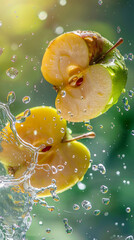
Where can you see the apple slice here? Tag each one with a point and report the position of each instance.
(86, 88)
(61, 157)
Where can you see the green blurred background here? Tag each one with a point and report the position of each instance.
(26, 27)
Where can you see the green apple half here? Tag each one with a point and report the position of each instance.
(87, 80)
(61, 158)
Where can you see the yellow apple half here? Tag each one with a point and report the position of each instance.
(66, 162)
(87, 83)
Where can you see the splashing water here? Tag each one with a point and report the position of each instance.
(15, 206)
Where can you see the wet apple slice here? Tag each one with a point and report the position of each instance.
(88, 96)
(86, 87)
(66, 54)
(60, 157)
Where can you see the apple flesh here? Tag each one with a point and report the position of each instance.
(86, 87)
(66, 162)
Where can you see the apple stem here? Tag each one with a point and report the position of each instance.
(85, 135)
(119, 42)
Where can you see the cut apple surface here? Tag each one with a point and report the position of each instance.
(66, 162)
(88, 80)
(89, 98)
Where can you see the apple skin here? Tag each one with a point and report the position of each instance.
(113, 63)
(71, 159)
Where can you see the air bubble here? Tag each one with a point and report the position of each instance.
(13, 58)
(104, 189)
(12, 72)
(11, 97)
(59, 30)
(26, 99)
(0, 23)
(76, 207)
(86, 204)
(105, 201)
(42, 15)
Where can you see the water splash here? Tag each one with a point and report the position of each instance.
(15, 205)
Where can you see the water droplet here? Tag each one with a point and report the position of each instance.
(106, 201)
(76, 170)
(132, 132)
(35, 132)
(130, 56)
(65, 220)
(63, 93)
(1, 51)
(20, 119)
(58, 111)
(13, 58)
(127, 107)
(50, 141)
(48, 230)
(129, 238)
(101, 168)
(62, 130)
(12, 72)
(26, 99)
(118, 173)
(69, 230)
(40, 222)
(97, 212)
(125, 57)
(27, 113)
(54, 169)
(11, 97)
(118, 29)
(128, 209)
(55, 197)
(76, 207)
(89, 127)
(100, 2)
(94, 167)
(104, 189)
(50, 208)
(86, 204)
(131, 93)
(59, 30)
(63, 2)
(81, 186)
(42, 15)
